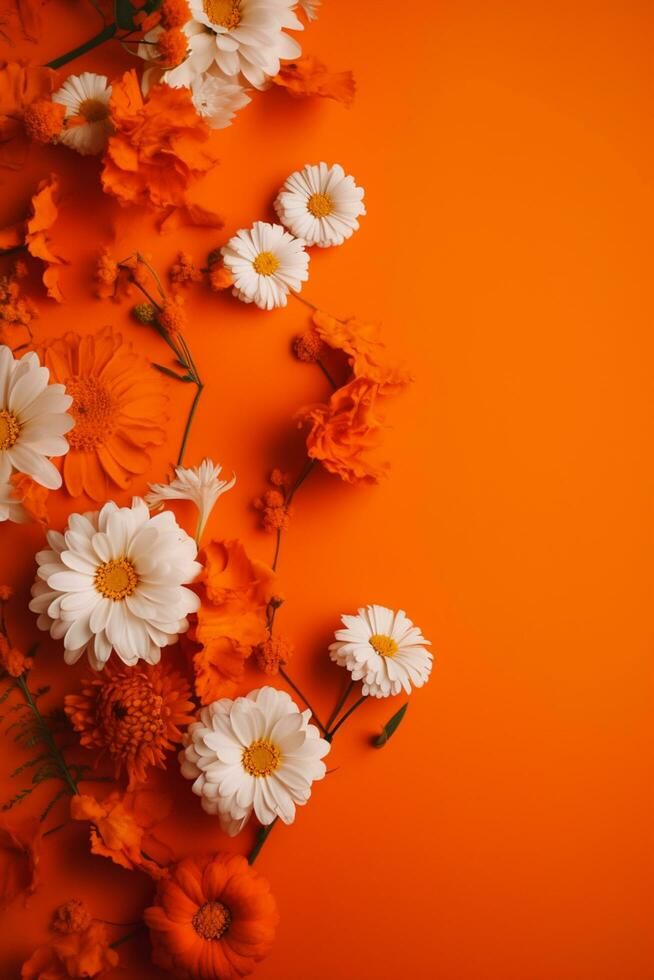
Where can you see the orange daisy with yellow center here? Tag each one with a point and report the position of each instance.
(136, 715)
(118, 405)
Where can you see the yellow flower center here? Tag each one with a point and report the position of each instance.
(94, 412)
(385, 646)
(9, 429)
(94, 110)
(261, 758)
(212, 920)
(319, 205)
(266, 263)
(116, 579)
(223, 13)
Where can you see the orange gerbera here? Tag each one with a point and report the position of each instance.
(134, 713)
(368, 356)
(20, 86)
(80, 948)
(344, 434)
(213, 918)
(160, 147)
(123, 825)
(118, 405)
(308, 76)
(20, 844)
(232, 619)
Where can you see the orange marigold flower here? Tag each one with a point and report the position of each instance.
(308, 347)
(20, 86)
(33, 497)
(172, 46)
(232, 619)
(160, 147)
(106, 275)
(308, 76)
(279, 479)
(39, 238)
(274, 512)
(220, 277)
(12, 660)
(172, 318)
(136, 714)
(368, 357)
(345, 433)
(122, 827)
(72, 916)
(20, 845)
(174, 13)
(273, 653)
(184, 270)
(119, 403)
(214, 918)
(146, 22)
(80, 952)
(44, 120)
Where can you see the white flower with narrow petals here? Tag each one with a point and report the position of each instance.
(201, 484)
(242, 37)
(86, 98)
(266, 263)
(320, 205)
(383, 649)
(258, 754)
(310, 8)
(33, 419)
(115, 580)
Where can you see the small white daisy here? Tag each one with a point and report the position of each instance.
(86, 98)
(266, 263)
(217, 98)
(201, 484)
(241, 37)
(33, 419)
(383, 649)
(115, 579)
(310, 8)
(320, 204)
(254, 754)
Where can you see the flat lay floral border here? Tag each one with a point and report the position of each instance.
(126, 587)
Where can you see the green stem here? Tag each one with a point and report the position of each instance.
(262, 837)
(124, 939)
(330, 735)
(105, 34)
(299, 693)
(308, 467)
(341, 702)
(47, 736)
(189, 421)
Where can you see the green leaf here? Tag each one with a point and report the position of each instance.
(125, 14)
(390, 727)
(28, 765)
(18, 798)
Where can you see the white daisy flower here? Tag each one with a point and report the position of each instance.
(241, 37)
(383, 649)
(33, 419)
(266, 263)
(201, 484)
(255, 754)
(115, 580)
(320, 205)
(86, 98)
(310, 8)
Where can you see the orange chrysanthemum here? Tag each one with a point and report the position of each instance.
(118, 405)
(44, 121)
(368, 356)
(308, 76)
(122, 827)
(174, 13)
(80, 948)
(214, 918)
(39, 237)
(232, 619)
(20, 845)
(172, 47)
(136, 714)
(160, 147)
(344, 434)
(20, 86)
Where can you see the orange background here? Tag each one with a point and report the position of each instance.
(506, 153)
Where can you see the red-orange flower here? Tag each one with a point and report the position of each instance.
(20, 844)
(44, 120)
(220, 277)
(12, 659)
(308, 76)
(172, 47)
(160, 146)
(213, 919)
(345, 434)
(39, 238)
(122, 827)
(368, 356)
(232, 618)
(20, 86)
(136, 714)
(119, 403)
(80, 948)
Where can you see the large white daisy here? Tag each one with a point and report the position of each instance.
(383, 649)
(320, 204)
(115, 579)
(255, 754)
(310, 8)
(201, 484)
(266, 263)
(86, 98)
(242, 37)
(33, 419)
